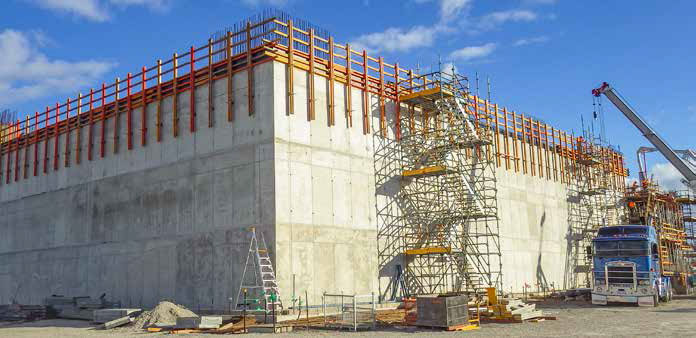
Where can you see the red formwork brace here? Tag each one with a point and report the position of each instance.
(7, 162)
(102, 141)
(117, 113)
(16, 141)
(192, 89)
(55, 138)
(143, 101)
(158, 113)
(78, 134)
(45, 153)
(175, 98)
(90, 130)
(129, 113)
(25, 167)
(36, 143)
(67, 134)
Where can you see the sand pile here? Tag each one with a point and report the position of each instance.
(165, 313)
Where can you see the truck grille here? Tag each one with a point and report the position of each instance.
(620, 274)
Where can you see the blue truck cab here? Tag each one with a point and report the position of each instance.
(626, 267)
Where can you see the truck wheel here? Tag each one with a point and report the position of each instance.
(656, 300)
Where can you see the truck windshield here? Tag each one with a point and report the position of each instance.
(621, 248)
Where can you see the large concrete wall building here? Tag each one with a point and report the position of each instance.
(162, 211)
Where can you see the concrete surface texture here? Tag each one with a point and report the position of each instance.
(165, 221)
(169, 220)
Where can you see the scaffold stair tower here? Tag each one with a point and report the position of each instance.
(448, 204)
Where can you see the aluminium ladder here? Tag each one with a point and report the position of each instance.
(258, 289)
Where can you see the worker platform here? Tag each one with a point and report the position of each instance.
(426, 97)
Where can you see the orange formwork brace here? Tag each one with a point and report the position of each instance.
(332, 120)
(382, 109)
(290, 81)
(211, 105)
(366, 97)
(349, 86)
(310, 84)
(250, 70)
(230, 92)
(397, 104)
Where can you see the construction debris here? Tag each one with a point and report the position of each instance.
(118, 322)
(77, 307)
(18, 312)
(107, 315)
(512, 310)
(195, 322)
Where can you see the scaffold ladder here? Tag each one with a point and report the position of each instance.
(258, 289)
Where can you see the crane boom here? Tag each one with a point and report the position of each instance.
(657, 141)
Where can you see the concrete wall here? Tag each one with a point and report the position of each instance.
(165, 221)
(169, 220)
(325, 215)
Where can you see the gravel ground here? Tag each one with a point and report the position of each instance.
(676, 319)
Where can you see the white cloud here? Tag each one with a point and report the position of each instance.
(449, 68)
(26, 73)
(496, 19)
(451, 9)
(97, 10)
(89, 9)
(532, 40)
(152, 4)
(667, 176)
(259, 3)
(473, 52)
(396, 39)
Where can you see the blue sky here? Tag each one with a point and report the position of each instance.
(543, 56)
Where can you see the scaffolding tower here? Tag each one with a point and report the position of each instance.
(436, 179)
(592, 203)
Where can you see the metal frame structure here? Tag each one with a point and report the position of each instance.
(443, 215)
(593, 202)
(648, 204)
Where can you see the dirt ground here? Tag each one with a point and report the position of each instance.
(676, 319)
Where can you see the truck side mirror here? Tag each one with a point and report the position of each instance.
(654, 249)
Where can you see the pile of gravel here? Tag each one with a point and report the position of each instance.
(164, 314)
